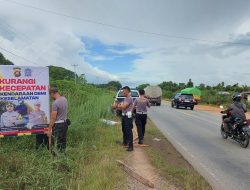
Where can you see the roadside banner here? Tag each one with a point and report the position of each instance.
(24, 100)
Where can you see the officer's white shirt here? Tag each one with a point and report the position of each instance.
(10, 119)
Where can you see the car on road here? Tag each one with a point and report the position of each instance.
(120, 97)
(183, 100)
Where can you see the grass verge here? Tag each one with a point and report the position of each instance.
(90, 161)
(170, 163)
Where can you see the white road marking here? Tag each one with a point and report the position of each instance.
(183, 147)
(195, 116)
(198, 118)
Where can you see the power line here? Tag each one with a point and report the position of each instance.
(13, 30)
(121, 27)
(24, 37)
(28, 60)
(21, 57)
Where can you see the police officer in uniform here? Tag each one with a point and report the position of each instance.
(22, 109)
(10, 118)
(127, 120)
(38, 117)
(141, 105)
(58, 126)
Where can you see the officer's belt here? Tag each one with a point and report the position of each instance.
(60, 121)
(145, 113)
(124, 114)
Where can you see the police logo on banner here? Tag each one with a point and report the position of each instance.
(17, 71)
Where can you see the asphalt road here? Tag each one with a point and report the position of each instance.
(196, 135)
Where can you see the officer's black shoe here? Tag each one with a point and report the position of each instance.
(130, 149)
(140, 142)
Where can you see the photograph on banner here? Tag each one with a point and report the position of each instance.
(24, 100)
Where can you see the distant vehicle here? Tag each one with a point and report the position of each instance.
(183, 100)
(154, 94)
(120, 98)
(195, 91)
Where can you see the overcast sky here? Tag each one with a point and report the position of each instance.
(106, 53)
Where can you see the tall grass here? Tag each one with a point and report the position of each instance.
(91, 152)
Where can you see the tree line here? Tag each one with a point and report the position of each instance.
(4, 61)
(210, 94)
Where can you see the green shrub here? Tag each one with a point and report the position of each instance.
(22, 167)
(168, 94)
(212, 97)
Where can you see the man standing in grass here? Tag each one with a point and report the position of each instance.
(141, 105)
(58, 126)
(127, 120)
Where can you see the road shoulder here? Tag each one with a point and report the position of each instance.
(170, 163)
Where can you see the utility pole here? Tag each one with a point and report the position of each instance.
(75, 65)
(83, 78)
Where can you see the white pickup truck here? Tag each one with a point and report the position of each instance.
(120, 97)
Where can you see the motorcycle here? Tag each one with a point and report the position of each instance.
(239, 132)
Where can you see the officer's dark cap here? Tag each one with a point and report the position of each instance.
(53, 90)
(126, 88)
(17, 68)
(141, 92)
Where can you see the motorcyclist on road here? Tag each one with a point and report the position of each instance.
(237, 110)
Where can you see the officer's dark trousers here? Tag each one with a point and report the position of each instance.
(140, 121)
(59, 136)
(42, 141)
(127, 125)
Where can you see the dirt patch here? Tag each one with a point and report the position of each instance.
(162, 164)
(213, 109)
(208, 108)
(140, 162)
